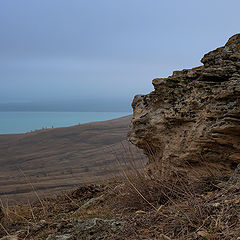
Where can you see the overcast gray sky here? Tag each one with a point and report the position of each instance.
(67, 50)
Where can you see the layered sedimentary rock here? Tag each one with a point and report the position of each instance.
(194, 115)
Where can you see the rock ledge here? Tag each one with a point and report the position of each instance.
(193, 116)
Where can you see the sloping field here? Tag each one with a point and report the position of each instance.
(56, 159)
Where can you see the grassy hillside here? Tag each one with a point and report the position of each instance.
(56, 159)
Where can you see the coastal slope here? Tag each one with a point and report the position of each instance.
(57, 159)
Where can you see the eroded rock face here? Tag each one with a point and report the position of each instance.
(193, 115)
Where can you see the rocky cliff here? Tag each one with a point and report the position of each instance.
(194, 115)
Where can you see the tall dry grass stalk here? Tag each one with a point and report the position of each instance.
(145, 189)
(34, 190)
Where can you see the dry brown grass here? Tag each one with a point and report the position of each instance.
(199, 203)
(38, 220)
(196, 204)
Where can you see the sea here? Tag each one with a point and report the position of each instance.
(22, 122)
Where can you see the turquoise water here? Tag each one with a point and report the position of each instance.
(21, 122)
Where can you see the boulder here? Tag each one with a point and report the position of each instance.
(193, 116)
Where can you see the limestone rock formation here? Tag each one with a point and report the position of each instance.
(194, 115)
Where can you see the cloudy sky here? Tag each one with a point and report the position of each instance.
(104, 50)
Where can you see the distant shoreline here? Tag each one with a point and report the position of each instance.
(17, 122)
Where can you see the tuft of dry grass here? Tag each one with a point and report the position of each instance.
(170, 203)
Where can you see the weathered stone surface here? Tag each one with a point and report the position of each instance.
(60, 237)
(193, 115)
(10, 237)
(90, 203)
